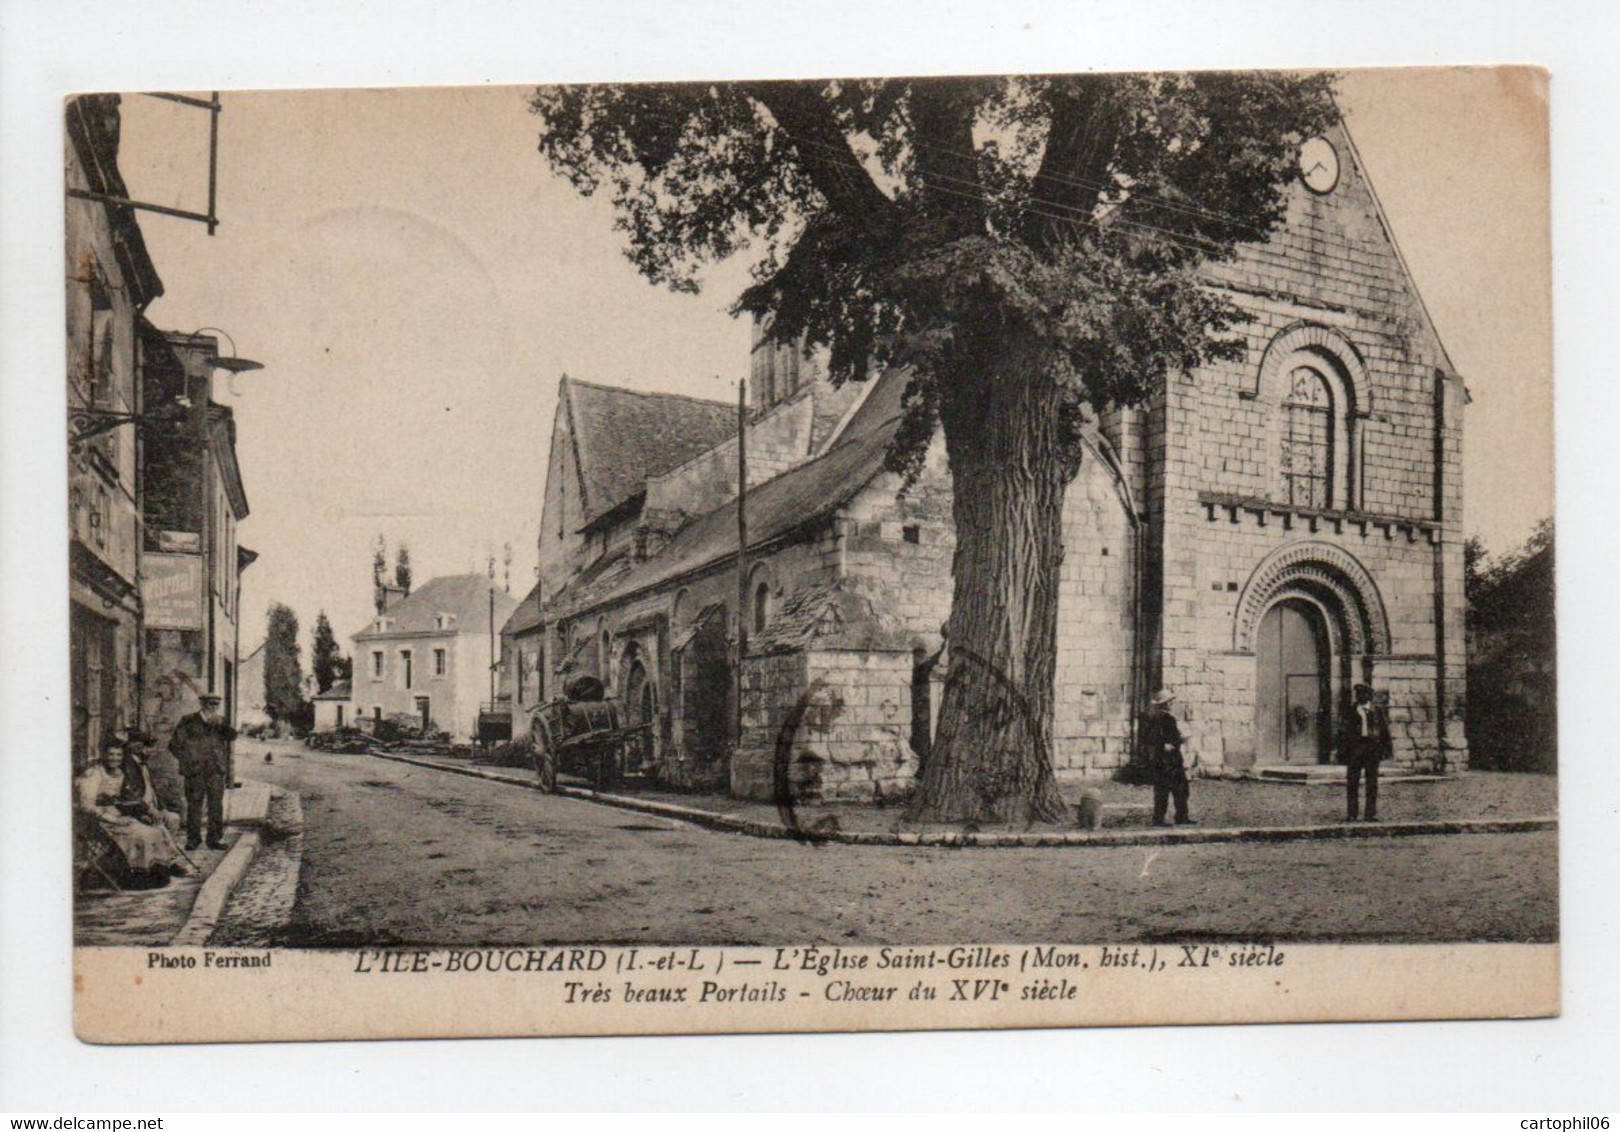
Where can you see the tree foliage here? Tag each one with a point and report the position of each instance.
(283, 673)
(402, 568)
(325, 658)
(917, 221)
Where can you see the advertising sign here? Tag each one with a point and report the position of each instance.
(171, 587)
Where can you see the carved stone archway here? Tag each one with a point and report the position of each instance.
(1328, 571)
(1325, 342)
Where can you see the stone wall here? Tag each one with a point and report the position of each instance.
(1330, 284)
(839, 720)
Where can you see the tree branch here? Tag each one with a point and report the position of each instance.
(1087, 120)
(942, 114)
(807, 120)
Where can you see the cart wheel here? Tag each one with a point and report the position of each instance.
(545, 759)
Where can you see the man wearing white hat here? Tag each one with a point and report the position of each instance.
(1161, 740)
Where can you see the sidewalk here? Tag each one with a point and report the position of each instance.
(157, 917)
(1226, 810)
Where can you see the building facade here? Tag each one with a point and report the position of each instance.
(110, 281)
(155, 492)
(193, 502)
(334, 708)
(426, 658)
(1258, 535)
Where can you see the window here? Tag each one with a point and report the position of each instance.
(376, 664)
(407, 666)
(607, 645)
(376, 714)
(1307, 440)
(521, 674)
(100, 357)
(762, 606)
(441, 662)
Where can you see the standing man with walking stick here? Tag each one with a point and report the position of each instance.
(202, 746)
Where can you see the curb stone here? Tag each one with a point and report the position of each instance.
(262, 903)
(249, 807)
(708, 819)
(216, 890)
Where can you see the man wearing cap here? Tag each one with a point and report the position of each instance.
(202, 746)
(1365, 742)
(1161, 740)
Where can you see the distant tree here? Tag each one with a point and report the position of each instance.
(1512, 658)
(283, 674)
(1475, 559)
(324, 656)
(1028, 248)
(402, 568)
(379, 571)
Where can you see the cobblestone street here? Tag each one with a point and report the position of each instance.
(395, 854)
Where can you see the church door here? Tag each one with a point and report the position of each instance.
(1291, 685)
(641, 712)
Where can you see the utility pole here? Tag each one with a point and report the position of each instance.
(491, 632)
(742, 546)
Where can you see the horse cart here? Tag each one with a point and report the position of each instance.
(584, 734)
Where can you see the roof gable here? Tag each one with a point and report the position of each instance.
(621, 437)
(801, 495)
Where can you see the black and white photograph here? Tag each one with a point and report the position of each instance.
(847, 553)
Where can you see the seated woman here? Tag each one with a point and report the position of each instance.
(145, 849)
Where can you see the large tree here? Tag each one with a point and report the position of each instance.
(325, 658)
(283, 673)
(1027, 248)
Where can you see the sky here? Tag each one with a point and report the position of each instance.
(416, 281)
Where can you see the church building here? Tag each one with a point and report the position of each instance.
(1258, 535)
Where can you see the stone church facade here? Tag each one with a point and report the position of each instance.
(1258, 536)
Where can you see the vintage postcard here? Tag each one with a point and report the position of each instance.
(864, 553)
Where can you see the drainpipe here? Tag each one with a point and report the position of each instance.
(1439, 544)
(1111, 461)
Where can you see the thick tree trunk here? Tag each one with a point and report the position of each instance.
(992, 755)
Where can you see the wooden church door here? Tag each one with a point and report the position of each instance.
(1291, 685)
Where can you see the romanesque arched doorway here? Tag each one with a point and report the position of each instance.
(1293, 685)
(1312, 619)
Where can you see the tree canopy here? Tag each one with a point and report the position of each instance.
(905, 221)
(325, 658)
(283, 673)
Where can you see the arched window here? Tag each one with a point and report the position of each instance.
(762, 606)
(1307, 439)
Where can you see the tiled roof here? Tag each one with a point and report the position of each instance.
(340, 690)
(624, 436)
(465, 597)
(529, 614)
(792, 499)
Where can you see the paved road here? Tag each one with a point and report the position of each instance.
(395, 854)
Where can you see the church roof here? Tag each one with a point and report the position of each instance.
(776, 507)
(622, 436)
(464, 597)
(528, 614)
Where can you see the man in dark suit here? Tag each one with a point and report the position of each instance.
(1161, 740)
(202, 746)
(1365, 742)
